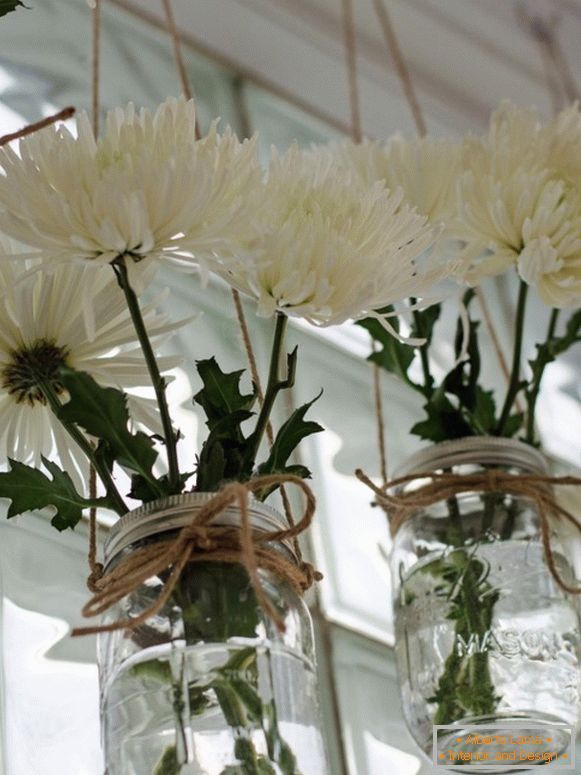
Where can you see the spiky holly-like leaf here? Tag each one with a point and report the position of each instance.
(290, 435)
(30, 489)
(103, 413)
(7, 6)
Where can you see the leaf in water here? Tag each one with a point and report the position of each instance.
(168, 764)
(30, 489)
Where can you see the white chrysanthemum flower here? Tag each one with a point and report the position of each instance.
(563, 138)
(330, 248)
(146, 189)
(518, 206)
(42, 328)
(425, 168)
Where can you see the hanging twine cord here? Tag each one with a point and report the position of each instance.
(178, 57)
(401, 506)
(349, 39)
(240, 315)
(401, 66)
(350, 45)
(96, 66)
(62, 115)
(380, 421)
(202, 541)
(95, 568)
(409, 90)
(561, 83)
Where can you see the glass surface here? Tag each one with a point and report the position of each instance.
(210, 685)
(484, 634)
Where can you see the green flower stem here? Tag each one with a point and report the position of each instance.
(490, 501)
(533, 392)
(424, 357)
(465, 685)
(273, 386)
(234, 685)
(515, 384)
(115, 499)
(157, 380)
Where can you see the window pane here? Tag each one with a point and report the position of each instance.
(49, 680)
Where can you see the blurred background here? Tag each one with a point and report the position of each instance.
(276, 67)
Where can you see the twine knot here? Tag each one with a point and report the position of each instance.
(311, 575)
(400, 505)
(198, 536)
(203, 541)
(95, 576)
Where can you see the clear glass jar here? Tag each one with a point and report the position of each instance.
(484, 635)
(210, 685)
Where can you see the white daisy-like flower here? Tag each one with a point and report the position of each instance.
(563, 138)
(145, 189)
(41, 329)
(330, 248)
(425, 168)
(519, 206)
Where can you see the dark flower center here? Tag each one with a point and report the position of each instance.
(24, 374)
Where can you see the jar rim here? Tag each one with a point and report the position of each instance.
(473, 450)
(167, 514)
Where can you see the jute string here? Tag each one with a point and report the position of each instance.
(349, 39)
(559, 77)
(409, 90)
(96, 66)
(402, 506)
(202, 541)
(126, 573)
(95, 567)
(62, 115)
(350, 45)
(240, 315)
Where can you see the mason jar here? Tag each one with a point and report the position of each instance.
(209, 685)
(486, 641)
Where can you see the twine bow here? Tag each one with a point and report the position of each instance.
(201, 541)
(539, 488)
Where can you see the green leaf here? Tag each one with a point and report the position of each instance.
(394, 356)
(291, 433)
(513, 424)
(142, 489)
(168, 764)
(550, 350)
(102, 412)
(425, 321)
(7, 6)
(443, 420)
(482, 417)
(29, 489)
(460, 406)
(223, 453)
(221, 396)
